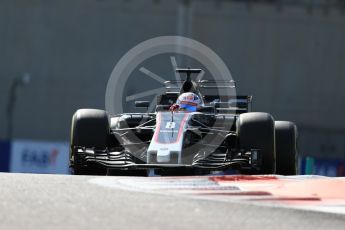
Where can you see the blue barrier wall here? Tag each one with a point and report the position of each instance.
(39, 157)
(322, 166)
(5, 148)
(25, 156)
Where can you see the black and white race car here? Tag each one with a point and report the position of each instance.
(222, 134)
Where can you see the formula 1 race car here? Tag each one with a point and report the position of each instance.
(221, 135)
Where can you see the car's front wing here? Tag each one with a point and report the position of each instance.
(123, 160)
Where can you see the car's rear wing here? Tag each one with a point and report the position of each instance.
(229, 104)
(215, 93)
(202, 84)
(221, 104)
(216, 84)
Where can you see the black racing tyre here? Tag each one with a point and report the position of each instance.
(256, 131)
(286, 147)
(90, 128)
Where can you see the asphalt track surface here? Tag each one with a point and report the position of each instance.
(29, 201)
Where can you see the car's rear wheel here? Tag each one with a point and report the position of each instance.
(256, 131)
(286, 147)
(90, 129)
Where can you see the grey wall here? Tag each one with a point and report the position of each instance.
(291, 60)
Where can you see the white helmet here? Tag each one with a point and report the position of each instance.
(189, 101)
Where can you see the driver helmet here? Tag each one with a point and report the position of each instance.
(188, 102)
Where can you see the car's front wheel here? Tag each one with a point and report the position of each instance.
(89, 129)
(256, 131)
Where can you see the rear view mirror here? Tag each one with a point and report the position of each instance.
(142, 104)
